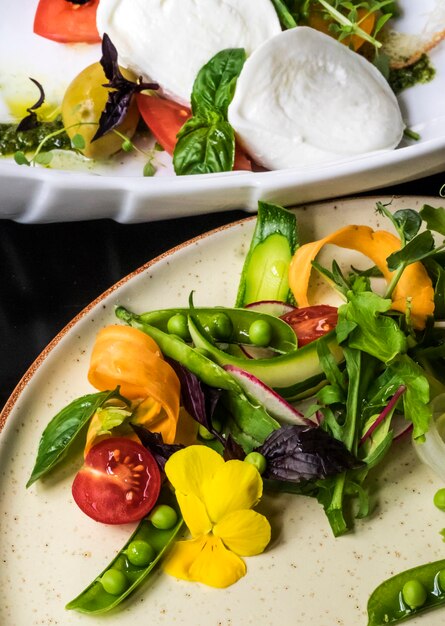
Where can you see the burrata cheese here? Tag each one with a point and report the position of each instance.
(168, 41)
(303, 98)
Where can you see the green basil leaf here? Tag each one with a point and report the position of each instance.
(434, 218)
(204, 148)
(63, 429)
(417, 249)
(215, 83)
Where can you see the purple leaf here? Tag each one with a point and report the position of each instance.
(300, 453)
(30, 121)
(233, 450)
(155, 444)
(121, 90)
(198, 399)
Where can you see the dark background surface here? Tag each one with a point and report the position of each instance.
(50, 272)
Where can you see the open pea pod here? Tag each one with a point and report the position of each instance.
(388, 605)
(230, 325)
(95, 599)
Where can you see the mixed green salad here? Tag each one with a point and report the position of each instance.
(198, 411)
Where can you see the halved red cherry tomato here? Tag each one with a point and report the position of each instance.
(67, 22)
(312, 322)
(119, 482)
(165, 118)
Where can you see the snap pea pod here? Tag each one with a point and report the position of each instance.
(95, 599)
(231, 325)
(389, 602)
(173, 347)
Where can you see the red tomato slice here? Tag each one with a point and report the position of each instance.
(165, 118)
(66, 22)
(312, 322)
(119, 482)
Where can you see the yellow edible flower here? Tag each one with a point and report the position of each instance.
(216, 498)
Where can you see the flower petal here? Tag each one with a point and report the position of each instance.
(245, 532)
(190, 468)
(237, 485)
(194, 513)
(205, 560)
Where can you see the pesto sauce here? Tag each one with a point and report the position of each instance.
(419, 72)
(28, 140)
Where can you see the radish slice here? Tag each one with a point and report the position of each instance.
(256, 352)
(274, 404)
(272, 307)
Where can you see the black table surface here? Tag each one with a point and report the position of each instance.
(50, 272)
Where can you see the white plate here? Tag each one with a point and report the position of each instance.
(50, 551)
(42, 195)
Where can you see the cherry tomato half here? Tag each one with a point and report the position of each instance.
(119, 482)
(165, 118)
(67, 22)
(312, 322)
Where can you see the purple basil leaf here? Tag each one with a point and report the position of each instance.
(299, 453)
(154, 444)
(198, 399)
(121, 90)
(114, 113)
(30, 121)
(233, 450)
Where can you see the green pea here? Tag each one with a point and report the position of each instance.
(260, 333)
(414, 593)
(204, 433)
(140, 553)
(177, 325)
(258, 460)
(439, 499)
(114, 581)
(221, 326)
(163, 517)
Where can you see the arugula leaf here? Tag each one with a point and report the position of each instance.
(206, 142)
(361, 323)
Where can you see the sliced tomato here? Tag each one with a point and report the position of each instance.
(165, 118)
(67, 22)
(119, 482)
(312, 322)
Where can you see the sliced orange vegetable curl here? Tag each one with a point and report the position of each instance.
(125, 356)
(414, 290)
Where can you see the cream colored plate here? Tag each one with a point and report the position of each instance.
(50, 551)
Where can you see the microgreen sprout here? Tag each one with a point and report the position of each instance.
(348, 22)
